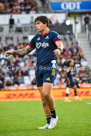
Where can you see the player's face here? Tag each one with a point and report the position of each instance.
(40, 26)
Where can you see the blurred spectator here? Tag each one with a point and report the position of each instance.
(8, 83)
(89, 78)
(57, 22)
(34, 7)
(1, 49)
(6, 47)
(32, 24)
(11, 44)
(32, 20)
(2, 8)
(18, 26)
(20, 77)
(22, 7)
(1, 86)
(7, 8)
(16, 80)
(67, 53)
(1, 77)
(64, 22)
(87, 19)
(87, 70)
(28, 8)
(33, 81)
(43, 2)
(83, 62)
(5, 69)
(25, 71)
(32, 74)
(11, 24)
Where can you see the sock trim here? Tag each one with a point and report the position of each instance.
(48, 116)
(52, 110)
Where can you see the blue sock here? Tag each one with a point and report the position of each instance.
(48, 118)
(53, 113)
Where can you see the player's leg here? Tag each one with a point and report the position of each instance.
(45, 106)
(67, 94)
(46, 110)
(46, 94)
(75, 93)
(48, 80)
(39, 81)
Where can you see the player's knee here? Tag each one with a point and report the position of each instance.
(45, 95)
(43, 100)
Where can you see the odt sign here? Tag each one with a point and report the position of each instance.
(76, 6)
(70, 5)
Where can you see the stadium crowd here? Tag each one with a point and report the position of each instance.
(21, 70)
(18, 6)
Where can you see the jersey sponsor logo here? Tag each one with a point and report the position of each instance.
(38, 38)
(47, 37)
(53, 72)
(44, 45)
(48, 79)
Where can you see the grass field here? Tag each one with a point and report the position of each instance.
(23, 119)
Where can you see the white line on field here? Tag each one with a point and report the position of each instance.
(89, 103)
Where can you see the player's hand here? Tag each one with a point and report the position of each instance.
(57, 53)
(8, 53)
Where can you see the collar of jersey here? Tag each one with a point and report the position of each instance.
(42, 35)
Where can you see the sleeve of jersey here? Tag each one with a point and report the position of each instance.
(32, 43)
(56, 37)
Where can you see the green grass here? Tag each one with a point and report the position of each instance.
(23, 119)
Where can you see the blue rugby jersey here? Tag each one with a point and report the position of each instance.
(45, 45)
(71, 82)
(69, 74)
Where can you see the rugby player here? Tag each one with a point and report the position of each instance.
(70, 82)
(48, 46)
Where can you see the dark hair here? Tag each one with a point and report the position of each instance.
(67, 63)
(43, 19)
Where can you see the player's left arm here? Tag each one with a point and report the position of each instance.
(59, 49)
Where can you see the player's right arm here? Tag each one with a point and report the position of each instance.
(20, 52)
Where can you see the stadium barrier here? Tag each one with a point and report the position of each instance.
(62, 29)
(34, 87)
(31, 95)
